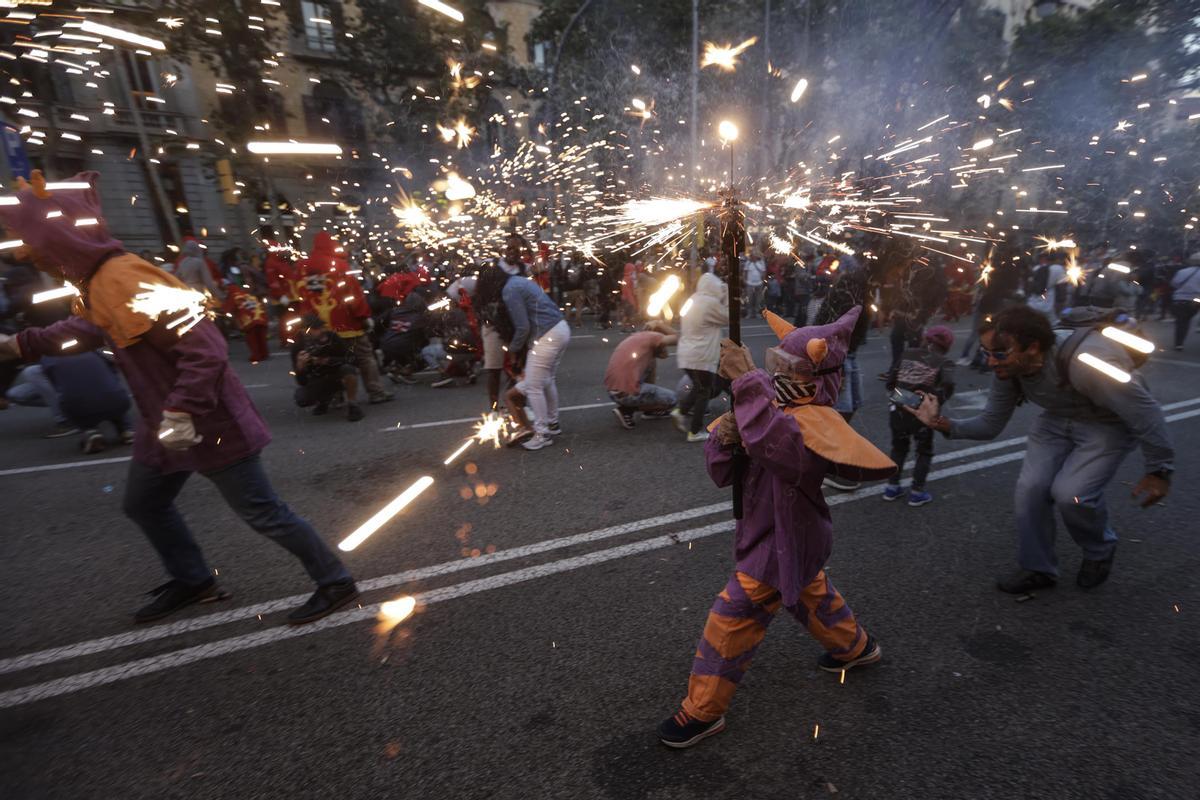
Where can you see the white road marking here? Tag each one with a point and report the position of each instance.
(189, 655)
(68, 465)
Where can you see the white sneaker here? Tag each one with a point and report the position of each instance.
(680, 421)
(702, 436)
(537, 442)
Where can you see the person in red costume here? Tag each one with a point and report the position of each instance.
(251, 318)
(281, 285)
(332, 293)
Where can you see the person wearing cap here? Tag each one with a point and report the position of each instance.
(195, 415)
(921, 369)
(784, 421)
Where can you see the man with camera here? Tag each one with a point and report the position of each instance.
(1090, 421)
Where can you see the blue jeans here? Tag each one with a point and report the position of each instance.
(33, 388)
(150, 502)
(1068, 465)
(648, 396)
(851, 395)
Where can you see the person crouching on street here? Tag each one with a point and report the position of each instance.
(783, 418)
(922, 370)
(195, 415)
(324, 366)
(631, 371)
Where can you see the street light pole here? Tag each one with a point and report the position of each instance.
(695, 134)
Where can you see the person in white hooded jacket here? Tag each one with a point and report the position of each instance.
(703, 317)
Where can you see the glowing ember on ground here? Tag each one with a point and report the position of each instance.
(396, 611)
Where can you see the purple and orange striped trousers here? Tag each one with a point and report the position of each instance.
(737, 624)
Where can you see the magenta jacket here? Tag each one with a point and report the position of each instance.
(184, 373)
(786, 534)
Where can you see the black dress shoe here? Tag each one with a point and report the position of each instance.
(174, 595)
(1024, 581)
(324, 601)
(1093, 573)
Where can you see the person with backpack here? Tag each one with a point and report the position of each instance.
(924, 369)
(1089, 423)
(1185, 298)
(1047, 288)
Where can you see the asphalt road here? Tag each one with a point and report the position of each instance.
(557, 619)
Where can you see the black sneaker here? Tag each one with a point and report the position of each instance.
(444, 383)
(1024, 581)
(1093, 573)
(92, 442)
(870, 654)
(321, 408)
(354, 412)
(682, 731)
(554, 429)
(841, 484)
(625, 418)
(174, 595)
(324, 601)
(59, 431)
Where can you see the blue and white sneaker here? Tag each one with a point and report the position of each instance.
(891, 492)
(916, 498)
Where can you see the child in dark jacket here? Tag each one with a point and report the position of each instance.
(921, 369)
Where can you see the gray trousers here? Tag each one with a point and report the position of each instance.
(1068, 465)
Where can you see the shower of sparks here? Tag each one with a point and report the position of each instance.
(385, 514)
(662, 296)
(780, 245)
(457, 188)
(461, 133)
(159, 300)
(724, 57)
(490, 429)
(1074, 271)
(1116, 373)
(1049, 243)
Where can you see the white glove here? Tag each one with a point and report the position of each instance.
(177, 432)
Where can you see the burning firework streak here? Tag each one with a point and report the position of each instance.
(724, 57)
(385, 514)
(158, 300)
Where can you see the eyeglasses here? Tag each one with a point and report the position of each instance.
(996, 355)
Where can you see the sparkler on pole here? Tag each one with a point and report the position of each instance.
(733, 242)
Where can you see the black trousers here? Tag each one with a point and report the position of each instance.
(905, 427)
(705, 386)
